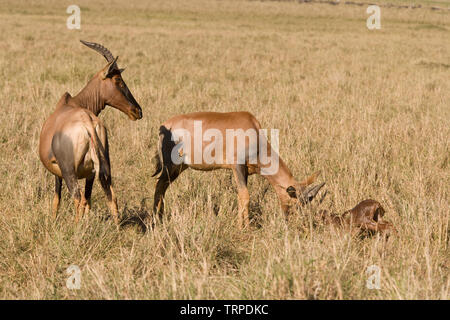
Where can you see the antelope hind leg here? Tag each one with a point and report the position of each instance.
(164, 181)
(62, 147)
(57, 196)
(88, 193)
(240, 176)
(72, 184)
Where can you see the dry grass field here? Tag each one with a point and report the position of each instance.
(369, 108)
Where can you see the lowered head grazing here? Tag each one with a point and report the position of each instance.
(301, 194)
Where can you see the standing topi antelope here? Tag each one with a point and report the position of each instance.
(74, 143)
(289, 191)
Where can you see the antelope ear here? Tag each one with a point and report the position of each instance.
(291, 192)
(378, 214)
(109, 68)
(121, 70)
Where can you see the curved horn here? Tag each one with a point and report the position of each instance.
(100, 49)
(309, 194)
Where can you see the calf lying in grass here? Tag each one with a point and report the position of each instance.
(365, 216)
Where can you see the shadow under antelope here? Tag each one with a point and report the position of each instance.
(73, 143)
(289, 190)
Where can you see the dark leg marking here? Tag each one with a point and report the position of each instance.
(163, 183)
(57, 196)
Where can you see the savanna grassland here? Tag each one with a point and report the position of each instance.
(369, 108)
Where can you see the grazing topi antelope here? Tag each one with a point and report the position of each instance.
(180, 148)
(74, 143)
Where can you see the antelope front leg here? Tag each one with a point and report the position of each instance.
(105, 181)
(240, 175)
(113, 206)
(386, 228)
(244, 200)
(370, 225)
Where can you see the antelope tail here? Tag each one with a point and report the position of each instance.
(98, 152)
